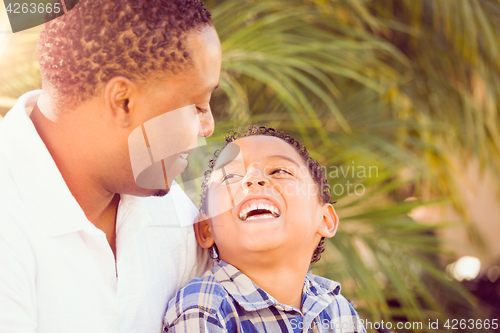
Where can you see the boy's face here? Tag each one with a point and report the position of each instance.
(267, 203)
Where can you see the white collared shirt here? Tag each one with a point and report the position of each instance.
(57, 270)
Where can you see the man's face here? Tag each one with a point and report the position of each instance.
(268, 199)
(193, 86)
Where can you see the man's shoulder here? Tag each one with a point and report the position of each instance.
(13, 232)
(10, 200)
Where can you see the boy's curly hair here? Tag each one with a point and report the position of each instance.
(314, 167)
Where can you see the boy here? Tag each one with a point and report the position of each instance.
(266, 211)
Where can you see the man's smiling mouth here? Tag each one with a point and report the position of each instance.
(255, 209)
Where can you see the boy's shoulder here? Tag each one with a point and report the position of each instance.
(202, 305)
(204, 293)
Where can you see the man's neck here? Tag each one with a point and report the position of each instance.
(100, 206)
(284, 282)
(107, 221)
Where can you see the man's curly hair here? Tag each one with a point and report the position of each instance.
(100, 39)
(317, 173)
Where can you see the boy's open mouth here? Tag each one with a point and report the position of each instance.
(258, 209)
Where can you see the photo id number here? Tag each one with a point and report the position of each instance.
(455, 324)
(32, 8)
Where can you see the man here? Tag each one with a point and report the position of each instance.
(83, 248)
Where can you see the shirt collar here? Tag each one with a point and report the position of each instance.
(319, 286)
(318, 292)
(131, 217)
(246, 293)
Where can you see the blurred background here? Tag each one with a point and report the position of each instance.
(399, 100)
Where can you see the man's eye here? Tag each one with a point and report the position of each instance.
(201, 109)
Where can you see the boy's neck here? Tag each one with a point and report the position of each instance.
(284, 282)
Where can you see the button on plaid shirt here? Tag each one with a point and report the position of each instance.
(226, 300)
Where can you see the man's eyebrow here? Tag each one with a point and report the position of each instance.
(285, 158)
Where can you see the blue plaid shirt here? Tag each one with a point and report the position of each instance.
(226, 300)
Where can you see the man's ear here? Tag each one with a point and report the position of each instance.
(203, 231)
(117, 94)
(330, 221)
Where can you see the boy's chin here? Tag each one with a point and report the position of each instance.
(259, 248)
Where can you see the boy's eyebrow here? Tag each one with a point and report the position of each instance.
(285, 158)
(234, 162)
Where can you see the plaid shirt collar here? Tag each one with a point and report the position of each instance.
(318, 293)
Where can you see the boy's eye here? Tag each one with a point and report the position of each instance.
(281, 171)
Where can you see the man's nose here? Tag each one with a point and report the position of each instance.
(206, 123)
(255, 179)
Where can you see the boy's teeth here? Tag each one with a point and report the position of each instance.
(273, 210)
(276, 212)
(255, 217)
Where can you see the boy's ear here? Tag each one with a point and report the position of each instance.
(330, 221)
(203, 231)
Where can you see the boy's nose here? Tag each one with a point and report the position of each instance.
(255, 179)
(261, 183)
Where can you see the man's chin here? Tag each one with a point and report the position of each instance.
(150, 192)
(160, 193)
